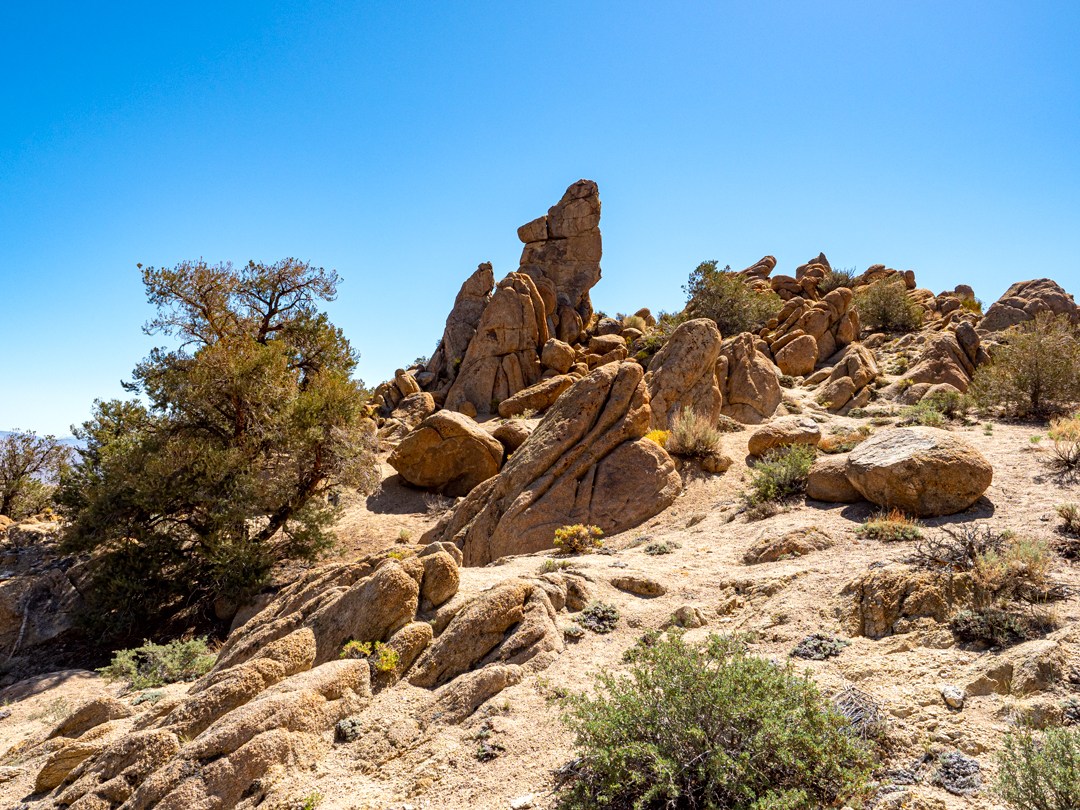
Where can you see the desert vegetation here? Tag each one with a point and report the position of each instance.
(721, 295)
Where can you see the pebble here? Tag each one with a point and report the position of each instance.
(523, 802)
(953, 697)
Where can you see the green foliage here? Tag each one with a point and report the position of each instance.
(781, 474)
(382, 657)
(153, 665)
(1040, 772)
(892, 527)
(311, 801)
(1035, 371)
(659, 547)
(579, 539)
(554, 566)
(727, 299)
(935, 410)
(196, 495)
(835, 279)
(819, 646)
(600, 617)
(998, 627)
(30, 466)
(692, 435)
(884, 306)
(655, 338)
(709, 726)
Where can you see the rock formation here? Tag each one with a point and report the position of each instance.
(683, 374)
(448, 453)
(460, 327)
(806, 332)
(1026, 299)
(747, 380)
(585, 463)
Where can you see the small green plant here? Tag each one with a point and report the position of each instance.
(892, 526)
(660, 547)
(1040, 772)
(579, 539)
(1036, 439)
(554, 566)
(154, 665)
(922, 413)
(311, 801)
(383, 658)
(710, 726)
(573, 632)
(404, 536)
(884, 306)
(781, 474)
(819, 646)
(988, 429)
(599, 617)
(152, 696)
(693, 435)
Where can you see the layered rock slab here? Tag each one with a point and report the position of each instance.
(448, 453)
(585, 463)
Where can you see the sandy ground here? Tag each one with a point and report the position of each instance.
(780, 602)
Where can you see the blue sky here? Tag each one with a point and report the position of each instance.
(402, 144)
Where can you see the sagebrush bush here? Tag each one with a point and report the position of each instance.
(1040, 772)
(781, 474)
(158, 664)
(692, 435)
(579, 539)
(709, 726)
(1035, 371)
(892, 526)
(600, 617)
(727, 299)
(635, 322)
(884, 306)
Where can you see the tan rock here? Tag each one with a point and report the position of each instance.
(511, 433)
(461, 325)
(62, 762)
(747, 380)
(828, 481)
(923, 471)
(1026, 299)
(638, 585)
(441, 578)
(683, 374)
(90, 714)
(448, 453)
(503, 356)
(771, 547)
(557, 355)
(784, 432)
(584, 463)
(537, 397)
(799, 356)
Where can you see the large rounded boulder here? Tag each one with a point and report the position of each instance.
(923, 471)
(449, 453)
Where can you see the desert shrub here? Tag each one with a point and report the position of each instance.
(892, 526)
(922, 413)
(1040, 772)
(725, 424)
(661, 547)
(1000, 626)
(1070, 527)
(709, 726)
(1035, 371)
(819, 646)
(865, 715)
(884, 306)
(600, 617)
(579, 539)
(655, 338)
(970, 303)
(635, 322)
(781, 474)
(692, 435)
(660, 437)
(554, 566)
(1065, 434)
(382, 657)
(727, 299)
(154, 665)
(1016, 570)
(835, 278)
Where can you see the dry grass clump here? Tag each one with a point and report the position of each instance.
(579, 539)
(892, 526)
(1069, 545)
(844, 440)
(554, 566)
(836, 278)
(693, 435)
(1065, 434)
(635, 322)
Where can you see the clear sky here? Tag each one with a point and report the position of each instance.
(403, 143)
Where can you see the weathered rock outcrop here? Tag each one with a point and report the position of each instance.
(537, 397)
(923, 471)
(449, 453)
(564, 247)
(949, 359)
(747, 380)
(831, 323)
(847, 385)
(504, 355)
(1026, 299)
(584, 463)
(460, 327)
(683, 374)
